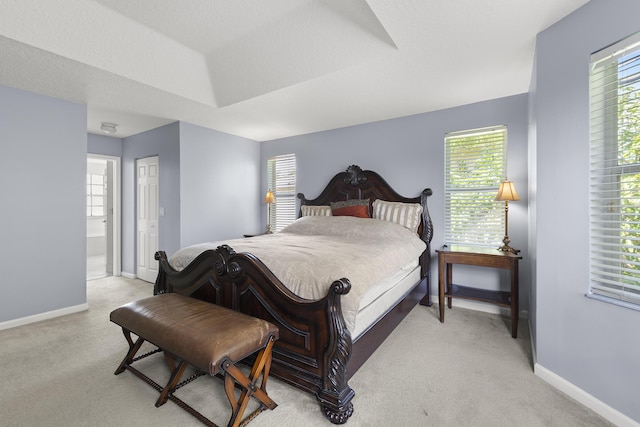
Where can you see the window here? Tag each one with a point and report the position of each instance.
(95, 195)
(615, 173)
(475, 164)
(281, 179)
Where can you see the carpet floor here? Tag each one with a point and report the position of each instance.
(465, 372)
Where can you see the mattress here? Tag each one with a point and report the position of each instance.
(313, 252)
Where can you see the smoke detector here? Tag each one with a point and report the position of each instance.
(108, 127)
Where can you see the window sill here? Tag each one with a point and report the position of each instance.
(614, 301)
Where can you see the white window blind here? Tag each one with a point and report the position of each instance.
(615, 172)
(281, 179)
(475, 164)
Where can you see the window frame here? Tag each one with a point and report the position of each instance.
(283, 211)
(467, 221)
(91, 196)
(614, 248)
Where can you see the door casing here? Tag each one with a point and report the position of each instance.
(113, 213)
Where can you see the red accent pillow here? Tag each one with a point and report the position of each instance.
(358, 211)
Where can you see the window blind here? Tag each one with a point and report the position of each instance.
(614, 95)
(475, 164)
(281, 171)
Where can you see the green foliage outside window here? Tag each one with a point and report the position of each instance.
(629, 156)
(474, 166)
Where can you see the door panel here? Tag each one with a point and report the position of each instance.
(147, 207)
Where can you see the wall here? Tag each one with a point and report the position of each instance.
(163, 142)
(591, 344)
(208, 186)
(104, 145)
(532, 191)
(409, 153)
(219, 185)
(43, 204)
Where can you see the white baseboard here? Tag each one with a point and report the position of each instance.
(43, 316)
(614, 416)
(596, 405)
(127, 275)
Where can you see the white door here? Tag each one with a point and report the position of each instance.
(147, 209)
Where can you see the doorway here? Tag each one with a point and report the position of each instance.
(103, 216)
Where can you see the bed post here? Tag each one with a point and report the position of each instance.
(335, 397)
(427, 235)
(160, 286)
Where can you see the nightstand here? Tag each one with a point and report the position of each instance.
(484, 258)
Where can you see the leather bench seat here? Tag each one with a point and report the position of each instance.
(199, 332)
(211, 338)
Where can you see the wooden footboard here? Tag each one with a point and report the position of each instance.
(314, 346)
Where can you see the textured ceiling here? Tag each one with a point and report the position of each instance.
(270, 69)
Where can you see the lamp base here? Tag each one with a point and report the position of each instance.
(506, 247)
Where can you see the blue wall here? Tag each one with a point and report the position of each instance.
(208, 186)
(591, 344)
(104, 145)
(219, 185)
(409, 153)
(42, 205)
(163, 142)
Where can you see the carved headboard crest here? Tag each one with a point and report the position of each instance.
(356, 176)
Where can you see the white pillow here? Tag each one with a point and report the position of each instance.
(307, 210)
(405, 214)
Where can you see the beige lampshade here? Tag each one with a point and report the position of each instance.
(507, 191)
(269, 198)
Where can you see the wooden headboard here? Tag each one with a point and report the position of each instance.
(355, 183)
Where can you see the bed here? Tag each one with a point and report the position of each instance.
(328, 330)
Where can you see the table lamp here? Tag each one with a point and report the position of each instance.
(268, 199)
(507, 192)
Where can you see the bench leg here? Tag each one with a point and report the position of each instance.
(171, 384)
(261, 366)
(170, 360)
(133, 349)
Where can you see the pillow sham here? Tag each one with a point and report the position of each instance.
(307, 210)
(351, 207)
(359, 211)
(405, 214)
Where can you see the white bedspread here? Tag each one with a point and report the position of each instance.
(314, 251)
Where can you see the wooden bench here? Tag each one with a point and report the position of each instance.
(207, 336)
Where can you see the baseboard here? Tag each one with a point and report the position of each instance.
(596, 405)
(127, 275)
(43, 316)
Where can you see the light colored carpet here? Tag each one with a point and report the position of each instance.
(465, 372)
